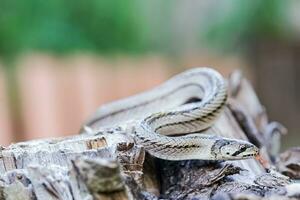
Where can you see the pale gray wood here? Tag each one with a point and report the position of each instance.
(108, 164)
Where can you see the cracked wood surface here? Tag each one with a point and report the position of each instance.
(108, 164)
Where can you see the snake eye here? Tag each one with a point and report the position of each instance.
(227, 153)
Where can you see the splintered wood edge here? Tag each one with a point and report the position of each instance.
(49, 165)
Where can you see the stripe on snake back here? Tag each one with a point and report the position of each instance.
(96, 119)
(203, 119)
(212, 107)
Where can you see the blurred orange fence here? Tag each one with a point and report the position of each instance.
(5, 115)
(54, 96)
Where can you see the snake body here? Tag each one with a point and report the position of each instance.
(185, 105)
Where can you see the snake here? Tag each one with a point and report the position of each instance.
(169, 120)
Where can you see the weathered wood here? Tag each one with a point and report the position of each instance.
(288, 163)
(108, 164)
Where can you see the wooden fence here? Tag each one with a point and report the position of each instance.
(53, 96)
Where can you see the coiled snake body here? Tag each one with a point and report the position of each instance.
(185, 105)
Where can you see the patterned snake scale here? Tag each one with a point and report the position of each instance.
(169, 119)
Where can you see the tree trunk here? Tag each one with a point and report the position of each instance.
(110, 165)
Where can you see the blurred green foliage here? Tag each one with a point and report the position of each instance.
(129, 26)
(248, 21)
(62, 26)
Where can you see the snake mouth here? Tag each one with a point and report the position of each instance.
(250, 155)
(254, 153)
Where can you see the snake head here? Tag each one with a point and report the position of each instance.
(231, 149)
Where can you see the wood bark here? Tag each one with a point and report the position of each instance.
(108, 164)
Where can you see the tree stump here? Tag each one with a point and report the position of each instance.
(108, 164)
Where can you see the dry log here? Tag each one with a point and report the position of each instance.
(108, 164)
(288, 163)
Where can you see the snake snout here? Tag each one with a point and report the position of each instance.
(250, 150)
(231, 149)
